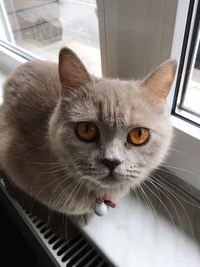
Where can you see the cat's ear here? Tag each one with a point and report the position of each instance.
(158, 84)
(73, 73)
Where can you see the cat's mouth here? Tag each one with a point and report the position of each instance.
(115, 179)
(112, 178)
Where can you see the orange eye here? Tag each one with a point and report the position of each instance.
(87, 131)
(138, 136)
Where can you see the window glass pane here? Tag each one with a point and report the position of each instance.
(44, 26)
(191, 100)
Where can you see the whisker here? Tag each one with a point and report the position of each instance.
(170, 172)
(85, 195)
(136, 193)
(168, 198)
(194, 203)
(44, 163)
(177, 168)
(60, 197)
(164, 186)
(77, 190)
(37, 177)
(45, 187)
(149, 203)
(178, 151)
(165, 207)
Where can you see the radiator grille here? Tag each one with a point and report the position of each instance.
(76, 252)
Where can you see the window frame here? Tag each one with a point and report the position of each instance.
(189, 65)
(5, 24)
(183, 161)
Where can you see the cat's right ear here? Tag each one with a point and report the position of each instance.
(72, 72)
(157, 85)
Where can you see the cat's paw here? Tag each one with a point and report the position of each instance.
(82, 219)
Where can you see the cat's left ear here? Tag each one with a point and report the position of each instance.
(73, 73)
(158, 84)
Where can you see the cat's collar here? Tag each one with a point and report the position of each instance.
(102, 205)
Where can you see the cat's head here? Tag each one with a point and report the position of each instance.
(110, 132)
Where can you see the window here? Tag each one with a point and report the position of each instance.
(185, 154)
(43, 27)
(187, 97)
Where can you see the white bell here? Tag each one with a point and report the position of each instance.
(101, 209)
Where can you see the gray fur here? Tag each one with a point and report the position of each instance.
(37, 133)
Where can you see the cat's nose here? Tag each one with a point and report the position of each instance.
(111, 163)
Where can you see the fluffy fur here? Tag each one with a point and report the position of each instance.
(40, 151)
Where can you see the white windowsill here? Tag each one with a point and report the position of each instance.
(185, 127)
(131, 235)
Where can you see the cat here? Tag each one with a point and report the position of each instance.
(69, 139)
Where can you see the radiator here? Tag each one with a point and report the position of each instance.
(76, 252)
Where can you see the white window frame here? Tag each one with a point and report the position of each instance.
(185, 158)
(179, 32)
(186, 144)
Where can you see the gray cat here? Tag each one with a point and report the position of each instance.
(70, 140)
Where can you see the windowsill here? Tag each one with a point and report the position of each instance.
(131, 233)
(184, 153)
(9, 60)
(185, 127)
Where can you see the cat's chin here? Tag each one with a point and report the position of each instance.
(110, 180)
